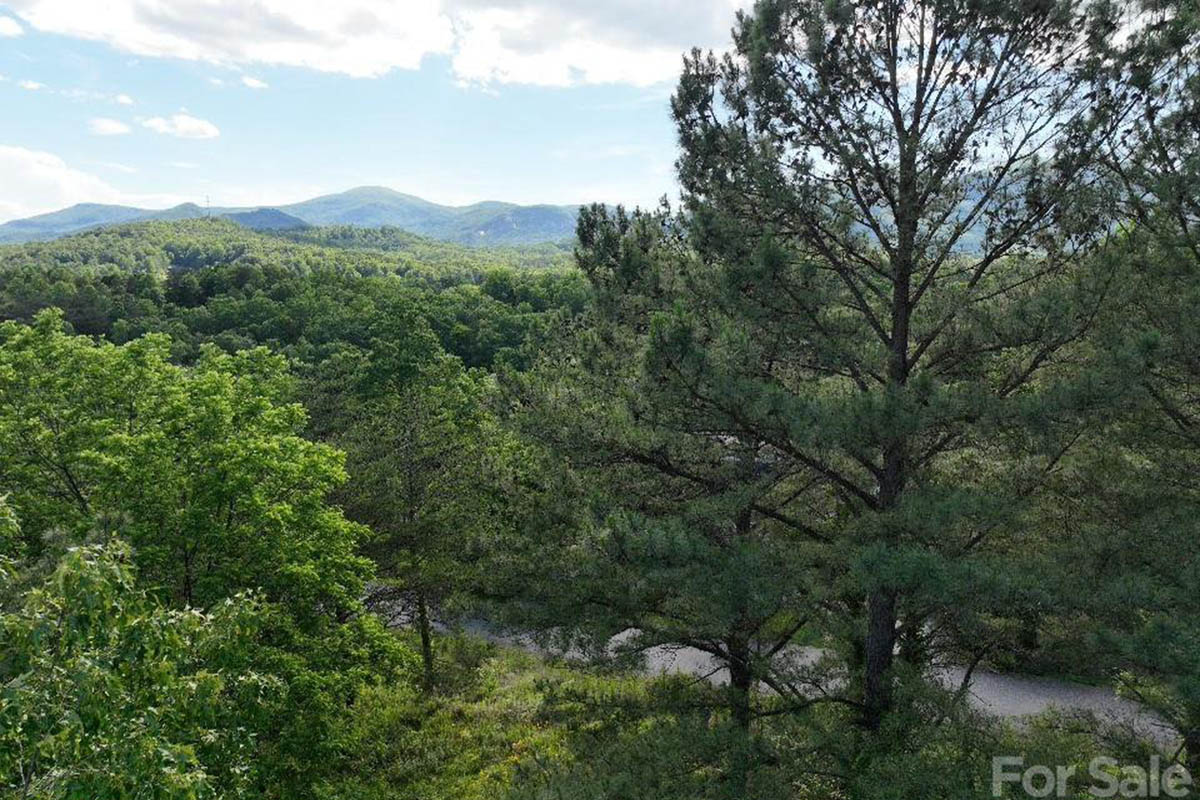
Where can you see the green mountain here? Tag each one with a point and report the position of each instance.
(266, 219)
(69, 220)
(482, 223)
(490, 223)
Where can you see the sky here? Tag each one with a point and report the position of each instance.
(263, 102)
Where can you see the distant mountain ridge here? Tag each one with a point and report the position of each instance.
(266, 219)
(487, 223)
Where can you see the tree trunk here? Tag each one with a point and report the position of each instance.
(741, 671)
(737, 638)
(741, 689)
(423, 626)
(881, 645)
(741, 683)
(882, 602)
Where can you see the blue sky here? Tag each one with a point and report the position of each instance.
(154, 102)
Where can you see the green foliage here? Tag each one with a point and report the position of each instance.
(827, 396)
(418, 454)
(430, 251)
(894, 317)
(204, 470)
(107, 694)
(205, 281)
(471, 745)
(1130, 501)
(10, 532)
(197, 243)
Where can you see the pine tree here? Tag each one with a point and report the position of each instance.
(894, 205)
(1135, 498)
(418, 454)
(690, 533)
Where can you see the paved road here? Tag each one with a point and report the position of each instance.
(1002, 695)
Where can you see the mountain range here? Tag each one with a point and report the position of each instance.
(489, 223)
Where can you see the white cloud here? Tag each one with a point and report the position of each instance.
(567, 42)
(123, 100)
(36, 182)
(9, 27)
(183, 165)
(183, 125)
(544, 42)
(254, 83)
(363, 38)
(31, 86)
(216, 81)
(103, 126)
(117, 166)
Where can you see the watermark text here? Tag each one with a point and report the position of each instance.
(1105, 777)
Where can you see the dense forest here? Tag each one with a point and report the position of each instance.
(739, 498)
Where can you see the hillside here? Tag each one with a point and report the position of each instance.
(266, 219)
(211, 281)
(481, 224)
(158, 246)
(69, 220)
